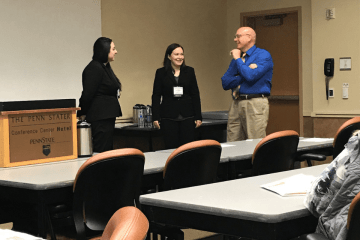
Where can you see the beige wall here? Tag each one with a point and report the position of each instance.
(142, 30)
(235, 7)
(336, 38)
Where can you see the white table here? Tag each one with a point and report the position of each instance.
(238, 207)
(155, 161)
(247, 147)
(239, 150)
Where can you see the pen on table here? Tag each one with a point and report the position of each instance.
(279, 184)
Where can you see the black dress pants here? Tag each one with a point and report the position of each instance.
(102, 132)
(179, 132)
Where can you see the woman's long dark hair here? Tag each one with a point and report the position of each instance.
(169, 50)
(102, 49)
(101, 52)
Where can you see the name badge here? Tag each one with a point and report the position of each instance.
(178, 91)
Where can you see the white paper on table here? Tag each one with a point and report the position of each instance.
(316, 139)
(7, 234)
(296, 185)
(226, 145)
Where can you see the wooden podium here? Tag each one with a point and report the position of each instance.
(37, 132)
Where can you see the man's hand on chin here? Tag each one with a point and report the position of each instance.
(235, 53)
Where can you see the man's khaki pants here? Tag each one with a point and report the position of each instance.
(248, 119)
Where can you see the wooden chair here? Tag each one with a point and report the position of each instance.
(340, 139)
(127, 223)
(353, 223)
(275, 153)
(105, 183)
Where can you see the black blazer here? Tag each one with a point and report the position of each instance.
(99, 96)
(188, 105)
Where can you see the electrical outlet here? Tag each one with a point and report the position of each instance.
(345, 90)
(331, 92)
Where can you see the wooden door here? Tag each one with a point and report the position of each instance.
(278, 34)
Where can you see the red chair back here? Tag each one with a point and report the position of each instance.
(343, 134)
(275, 152)
(105, 183)
(192, 164)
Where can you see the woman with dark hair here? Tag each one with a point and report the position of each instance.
(99, 99)
(176, 99)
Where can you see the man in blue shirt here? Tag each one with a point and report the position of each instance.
(249, 79)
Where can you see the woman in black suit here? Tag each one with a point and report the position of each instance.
(99, 99)
(176, 99)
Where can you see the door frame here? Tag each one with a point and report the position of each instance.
(245, 15)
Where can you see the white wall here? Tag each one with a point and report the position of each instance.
(44, 47)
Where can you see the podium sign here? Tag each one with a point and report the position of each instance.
(40, 135)
(37, 136)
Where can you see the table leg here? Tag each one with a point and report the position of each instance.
(150, 142)
(232, 170)
(41, 216)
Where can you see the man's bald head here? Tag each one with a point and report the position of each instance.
(245, 38)
(250, 31)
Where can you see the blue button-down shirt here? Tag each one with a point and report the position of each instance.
(252, 81)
